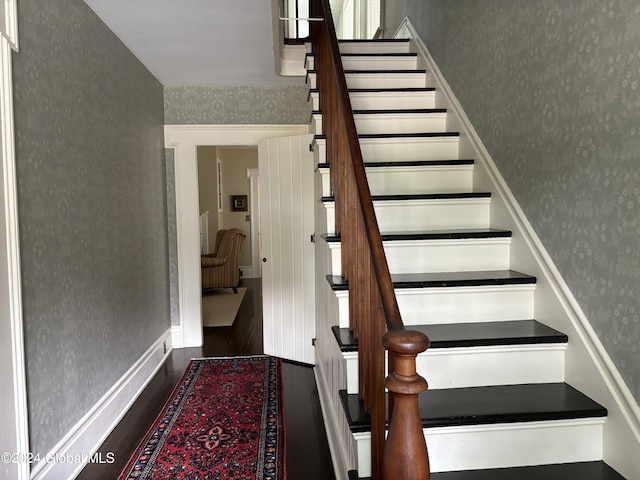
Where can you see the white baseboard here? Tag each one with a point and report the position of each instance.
(177, 336)
(249, 272)
(78, 446)
(588, 366)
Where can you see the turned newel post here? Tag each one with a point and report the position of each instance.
(405, 451)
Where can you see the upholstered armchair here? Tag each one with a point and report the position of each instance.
(220, 269)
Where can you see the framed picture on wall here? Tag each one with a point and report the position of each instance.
(239, 203)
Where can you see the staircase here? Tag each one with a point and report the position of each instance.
(497, 406)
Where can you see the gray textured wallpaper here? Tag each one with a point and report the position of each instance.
(265, 104)
(553, 90)
(92, 211)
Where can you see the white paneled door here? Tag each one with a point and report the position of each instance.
(286, 175)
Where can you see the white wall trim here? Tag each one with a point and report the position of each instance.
(589, 366)
(177, 336)
(246, 271)
(185, 139)
(254, 271)
(9, 22)
(13, 400)
(73, 451)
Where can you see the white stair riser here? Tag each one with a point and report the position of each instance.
(409, 149)
(427, 256)
(420, 215)
(379, 80)
(380, 63)
(424, 306)
(377, 47)
(401, 149)
(391, 123)
(384, 100)
(386, 80)
(412, 179)
(403, 123)
(480, 366)
(503, 445)
(372, 63)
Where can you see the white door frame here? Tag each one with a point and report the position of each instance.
(254, 236)
(184, 140)
(13, 399)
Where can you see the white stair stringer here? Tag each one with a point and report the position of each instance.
(502, 445)
(330, 368)
(331, 376)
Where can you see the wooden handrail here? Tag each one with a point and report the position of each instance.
(373, 309)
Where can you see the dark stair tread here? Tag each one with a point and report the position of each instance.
(384, 71)
(374, 40)
(481, 334)
(433, 196)
(488, 405)
(381, 89)
(411, 163)
(564, 471)
(372, 54)
(409, 135)
(447, 279)
(451, 234)
(422, 196)
(393, 111)
(379, 54)
(400, 111)
(401, 135)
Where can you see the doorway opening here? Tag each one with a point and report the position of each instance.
(184, 140)
(228, 198)
(229, 230)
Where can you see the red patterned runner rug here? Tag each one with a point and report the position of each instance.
(224, 420)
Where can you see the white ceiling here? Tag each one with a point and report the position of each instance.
(197, 42)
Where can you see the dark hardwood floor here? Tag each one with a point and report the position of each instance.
(307, 453)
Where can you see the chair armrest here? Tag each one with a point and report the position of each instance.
(211, 261)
